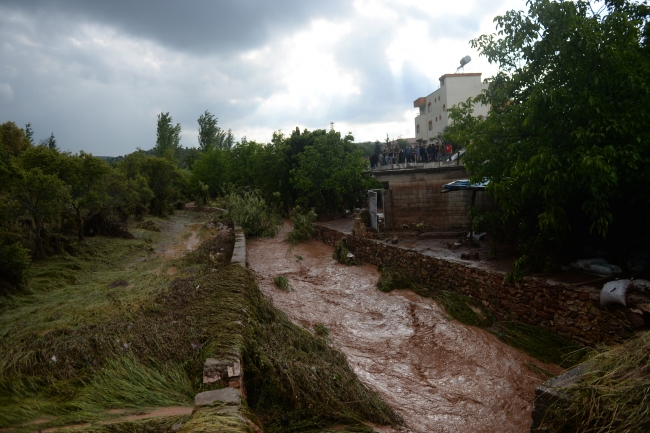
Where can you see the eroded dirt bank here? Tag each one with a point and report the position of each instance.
(440, 375)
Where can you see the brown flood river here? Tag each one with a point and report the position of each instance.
(440, 375)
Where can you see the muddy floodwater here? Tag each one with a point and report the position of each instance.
(439, 374)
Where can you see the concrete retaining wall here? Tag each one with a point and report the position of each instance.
(573, 312)
(414, 196)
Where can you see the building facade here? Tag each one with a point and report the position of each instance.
(432, 118)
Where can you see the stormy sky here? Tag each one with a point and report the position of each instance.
(96, 73)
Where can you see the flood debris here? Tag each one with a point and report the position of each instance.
(282, 283)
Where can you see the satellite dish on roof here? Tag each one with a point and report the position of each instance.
(465, 60)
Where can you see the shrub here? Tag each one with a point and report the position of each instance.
(253, 214)
(342, 255)
(321, 330)
(14, 267)
(282, 283)
(302, 226)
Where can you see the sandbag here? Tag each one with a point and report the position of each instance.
(613, 293)
(596, 266)
(641, 285)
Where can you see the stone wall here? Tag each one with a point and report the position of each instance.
(414, 196)
(573, 312)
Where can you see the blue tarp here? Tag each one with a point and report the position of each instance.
(464, 184)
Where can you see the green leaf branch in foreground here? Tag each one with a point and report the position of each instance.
(566, 145)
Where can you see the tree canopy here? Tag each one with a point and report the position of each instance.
(566, 144)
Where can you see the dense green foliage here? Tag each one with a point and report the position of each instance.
(316, 169)
(328, 173)
(566, 145)
(48, 195)
(168, 137)
(252, 212)
(302, 226)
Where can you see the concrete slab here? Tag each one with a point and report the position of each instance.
(239, 252)
(226, 395)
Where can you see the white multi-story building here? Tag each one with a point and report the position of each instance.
(454, 88)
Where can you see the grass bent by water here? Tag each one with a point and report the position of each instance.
(121, 325)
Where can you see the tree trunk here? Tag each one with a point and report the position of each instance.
(80, 224)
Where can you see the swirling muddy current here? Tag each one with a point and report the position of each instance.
(439, 374)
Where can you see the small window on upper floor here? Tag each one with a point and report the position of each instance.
(430, 125)
(444, 107)
(417, 129)
(429, 107)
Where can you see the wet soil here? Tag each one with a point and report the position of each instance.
(440, 375)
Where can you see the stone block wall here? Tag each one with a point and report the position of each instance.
(573, 312)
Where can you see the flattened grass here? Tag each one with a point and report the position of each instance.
(613, 396)
(80, 345)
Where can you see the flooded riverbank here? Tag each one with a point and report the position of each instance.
(440, 375)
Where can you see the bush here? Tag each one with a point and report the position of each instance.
(282, 283)
(342, 255)
(253, 214)
(14, 267)
(302, 226)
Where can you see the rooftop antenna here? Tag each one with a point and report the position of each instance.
(465, 60)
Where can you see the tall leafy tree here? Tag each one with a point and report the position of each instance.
(328, 175)
(566, 145)
(85, 176)
(13, 139)
(211, 136)
(40, 197)
(50, 142)
(29, 133)
(168, 137)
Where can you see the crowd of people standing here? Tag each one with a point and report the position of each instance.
(393, 154)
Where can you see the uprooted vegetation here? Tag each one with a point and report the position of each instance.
(536, 341)
(112, 328)
(302, 223)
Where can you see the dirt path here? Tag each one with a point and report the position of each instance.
(440, 375)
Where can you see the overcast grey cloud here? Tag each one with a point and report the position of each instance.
(97, 73)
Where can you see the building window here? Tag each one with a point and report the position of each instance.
(430, 125)
(417, 129)
(443, 107)
(429, 107)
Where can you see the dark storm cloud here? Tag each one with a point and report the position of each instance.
(198, 26)
(97, 73)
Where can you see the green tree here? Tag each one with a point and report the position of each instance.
(168, 137)
(13, 139)
(40, 197)
(212, 169)
(127, 196)
(161, 175)
(50, 142)
(85, 176)
(29, 133)
(328, 175)
(566, 145)
(211, 136)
